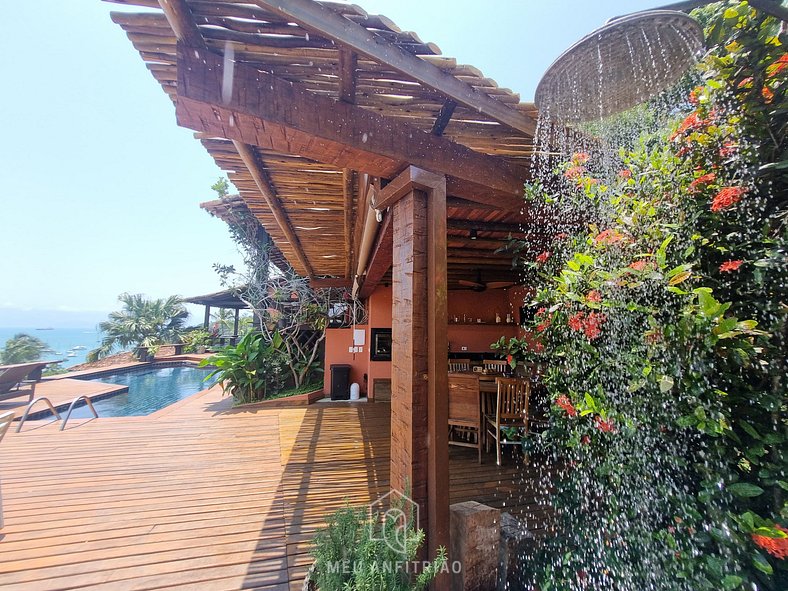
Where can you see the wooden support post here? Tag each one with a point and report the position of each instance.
(237, 319)
(207, 320)
(419, 398)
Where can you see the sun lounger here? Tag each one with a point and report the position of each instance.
(20, 379)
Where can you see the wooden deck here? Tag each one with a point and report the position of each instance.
(200, 497)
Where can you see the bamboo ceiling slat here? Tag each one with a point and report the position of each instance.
(311, 194)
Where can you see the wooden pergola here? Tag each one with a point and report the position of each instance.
(367, 156)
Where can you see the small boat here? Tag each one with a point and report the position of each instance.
(78, 348)
(47, 328)
(71, 354)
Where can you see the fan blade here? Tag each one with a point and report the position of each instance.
(500, 284)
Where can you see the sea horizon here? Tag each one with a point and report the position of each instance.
(60, 341)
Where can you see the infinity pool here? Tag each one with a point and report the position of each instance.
(150, 389)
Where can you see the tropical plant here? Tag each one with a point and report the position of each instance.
(223, 319)
(22, 348)
(353, 553)
(195, 339)
(250, 371)
(665, 321)
(142, 324)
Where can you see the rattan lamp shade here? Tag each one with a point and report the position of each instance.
(619, 65)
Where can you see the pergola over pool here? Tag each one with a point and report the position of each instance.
(367, 157)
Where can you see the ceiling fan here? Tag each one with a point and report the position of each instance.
(478, 285)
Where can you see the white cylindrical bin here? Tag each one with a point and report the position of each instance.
(355, 391)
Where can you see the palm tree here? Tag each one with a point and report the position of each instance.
(22, 348)
(224, 319)
(141, 323)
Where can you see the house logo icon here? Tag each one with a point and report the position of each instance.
(394, 519)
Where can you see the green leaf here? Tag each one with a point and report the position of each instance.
(745, 489)
(731, 582)
(665, 384)
(762, 564)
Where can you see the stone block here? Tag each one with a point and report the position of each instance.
(475, 540)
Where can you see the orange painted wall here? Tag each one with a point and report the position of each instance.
(477, 338)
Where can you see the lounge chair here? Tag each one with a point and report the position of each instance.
(6, 419)
(20, 379)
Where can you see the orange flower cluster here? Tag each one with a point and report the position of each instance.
(777, 547)
(625, 174)
(545, 323)
(641, 264)
(691, 123)
(594, 296)
(542, 257)
(590, 324)
(705, 179)
(574, 172)
(729, 266)
(726, 198)
(579, 158)
(608, 237)
(778, 66)
(606, 426)
(563, 402)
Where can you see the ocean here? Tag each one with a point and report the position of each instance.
(61, 340)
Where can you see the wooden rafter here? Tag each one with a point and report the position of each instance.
(348, 219)
(444, 116)
(329, 24)
(252, 162)
(182, 23)
(266, 111)
(348, 62)
(381, 258)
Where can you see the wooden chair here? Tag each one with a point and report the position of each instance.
(497, 365)
(465, 416)
(511, 411)
(459, 365)
(6, 419)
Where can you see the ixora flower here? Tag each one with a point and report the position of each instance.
(705, 179)
(579, 158)
(640, 264)
(778, 66)
(728, 149)
(729, 266)
(576, 321)
(564, 403)
(727, 198)
(625, 174)
(543, 257)
(777, 547)
(606, 426)
(592, 324)
(609, 236)
(574, 172)
(693, 121)
(594, 296)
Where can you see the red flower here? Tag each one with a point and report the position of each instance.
(767, 94)
(543, 256)
(563, 402)
(594, 296)
(727, 197)
(745, 83)
(690, 123)
(537, 346)
(544, 325)
(609, 236)
(576, 321)
(778, 66)
(574, 172)
(693, 95)
(509, 359)
(591, 327)
(579, 158)
(638, 265)
(777, 547)
(605, 426)
(729, 266)
(624, 174)
(541, 311)
(728, 149)
(585, 440)
(702, 180)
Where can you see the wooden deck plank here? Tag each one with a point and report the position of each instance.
(200, 497)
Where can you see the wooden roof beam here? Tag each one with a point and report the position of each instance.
(182, 23)
(348, 64)
(284, 117)
(252, 162)
(443, 118)
(381, 258)
(327, 23)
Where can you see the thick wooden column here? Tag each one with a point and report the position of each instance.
(419, 397)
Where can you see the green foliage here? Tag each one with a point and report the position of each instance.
(251, 371)
(666, 325)
(221, 186)
(295, 391)
(142, 323)
(194, 339)
(22, 348)
(351, 554)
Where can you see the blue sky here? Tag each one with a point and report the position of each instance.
(101, 187)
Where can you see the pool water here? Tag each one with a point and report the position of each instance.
(150, 389)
